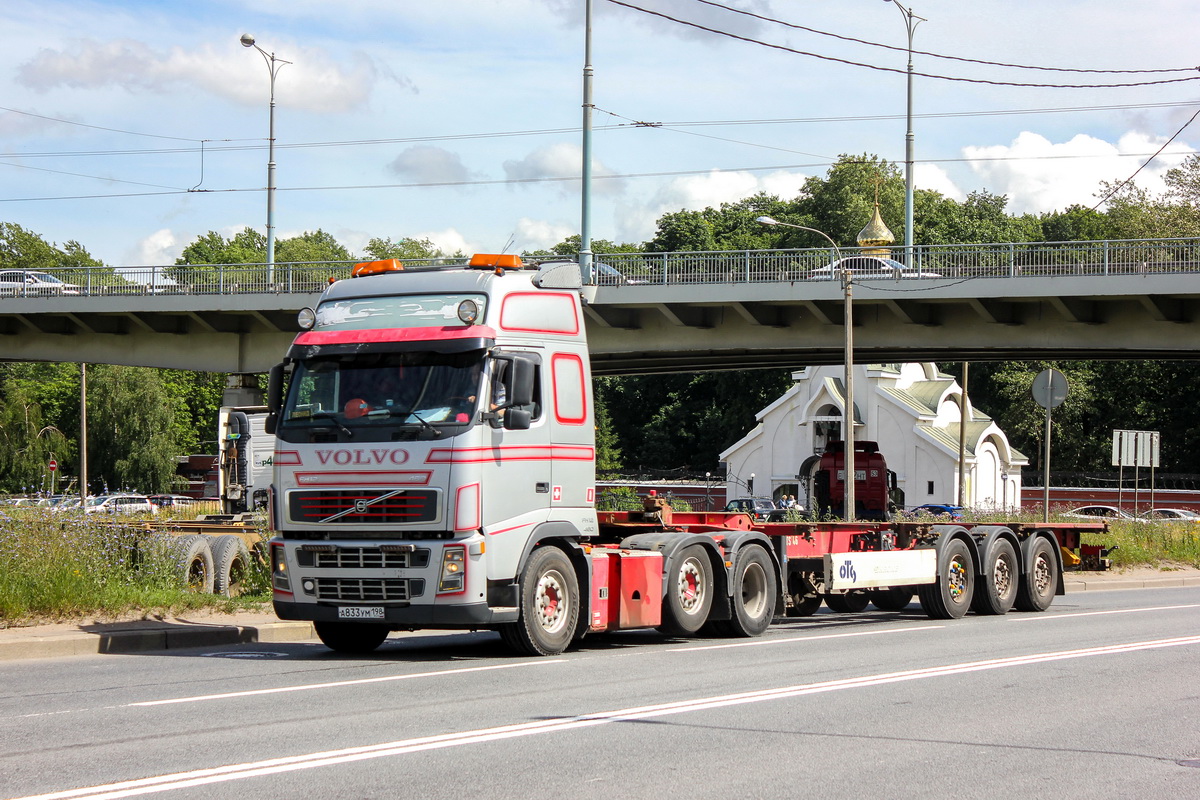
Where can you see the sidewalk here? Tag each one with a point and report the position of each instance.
(205, 629)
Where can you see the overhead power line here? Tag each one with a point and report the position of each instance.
(942, 55)
(878, 68)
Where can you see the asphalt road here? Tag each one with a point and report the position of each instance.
(1096, 698)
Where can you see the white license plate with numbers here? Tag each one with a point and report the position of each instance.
(360, 612)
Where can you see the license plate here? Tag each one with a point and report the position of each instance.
(360, 612)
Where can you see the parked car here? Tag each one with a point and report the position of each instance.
(1102, 512)
(762, 509)
(1180, 514)
(30, 283)
(869, 267)
(937, 510)
(171, 500)
(120, 504)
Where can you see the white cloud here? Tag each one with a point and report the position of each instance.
(1039, 175)
(637, 222)
(428, 164)
(558, 161)
(159, 248)
(934, 178)
(449, 241)
(536, 234)
(311, 82)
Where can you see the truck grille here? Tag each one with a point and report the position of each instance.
(368, 590)
(338, 557)
(372, 506)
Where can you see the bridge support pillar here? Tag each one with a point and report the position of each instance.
(242, 390)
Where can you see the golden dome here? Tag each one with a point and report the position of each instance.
(876, 235)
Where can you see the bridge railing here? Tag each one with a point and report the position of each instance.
(956, 261)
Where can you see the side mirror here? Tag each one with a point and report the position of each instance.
(274, 398)
(520, 389)
(517, 419)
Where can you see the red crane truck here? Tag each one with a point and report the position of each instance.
(434, 468)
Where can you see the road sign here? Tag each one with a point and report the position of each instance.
(53, 465)
(1049, 388)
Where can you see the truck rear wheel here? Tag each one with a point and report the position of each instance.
(997, 592)
(755, 585)
(689, 592)
(351, 637)
(549, 605)
(950, 596)
(231, 565)
(1037, 586)
(195, 559)
(847, 603)
(803, 606)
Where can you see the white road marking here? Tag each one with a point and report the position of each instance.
(1076, 614)
(792, 639)
(232, 772)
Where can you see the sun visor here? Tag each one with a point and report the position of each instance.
(393, 340)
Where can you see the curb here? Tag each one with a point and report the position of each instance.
(1075, 583)
(144, 636)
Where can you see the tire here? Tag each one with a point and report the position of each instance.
(351, 637)
(803, 606)
(950, 596)
(689, 592)
(755, 586)
(896, 598)
(847, 603)
(549, 605)
(1037, 586)
(231, 565)
(195, 562)
(997, 591)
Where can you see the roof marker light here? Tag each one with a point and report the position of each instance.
(498, 260)
(306, 318)
(365, 268)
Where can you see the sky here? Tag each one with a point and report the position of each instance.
(135, 127)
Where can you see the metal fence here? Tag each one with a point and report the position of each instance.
(927, 262)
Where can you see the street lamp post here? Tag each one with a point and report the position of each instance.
(911, 21)
(273, 66)
(848, 376)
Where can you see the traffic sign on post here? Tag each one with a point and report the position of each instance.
(53, 465)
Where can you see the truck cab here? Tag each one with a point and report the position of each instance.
(436, 425)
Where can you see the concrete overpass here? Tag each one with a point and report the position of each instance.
(682, 312)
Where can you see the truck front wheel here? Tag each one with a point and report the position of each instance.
(549, 605)
(689, 592)
(351, 637)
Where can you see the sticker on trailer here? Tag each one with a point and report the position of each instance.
(556, 494)
(875, 570)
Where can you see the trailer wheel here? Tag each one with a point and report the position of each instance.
(351, 637)
(689, 592)
(1037, 586)
(803, 606)
(549, 605)
(997, 592)
(847, 603)
(754, 588)
(195, 560)
(231, 565)
(896, 598)
(950, 596)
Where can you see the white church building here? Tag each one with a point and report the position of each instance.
(912, 411)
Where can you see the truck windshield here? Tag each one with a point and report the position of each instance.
(382, 391)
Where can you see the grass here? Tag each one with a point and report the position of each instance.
(56, 568)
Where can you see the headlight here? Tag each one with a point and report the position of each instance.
(454, 569)
(468, 312)
(306, 318)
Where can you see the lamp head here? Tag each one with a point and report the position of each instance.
(247, 40)
(764, 220)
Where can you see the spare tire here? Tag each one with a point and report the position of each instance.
(231, 565)
(195, 560)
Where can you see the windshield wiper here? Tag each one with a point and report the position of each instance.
(332, 417)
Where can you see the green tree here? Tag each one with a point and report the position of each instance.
(131, 441)
(403, 249)
(27, 443)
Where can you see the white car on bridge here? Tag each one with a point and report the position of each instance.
(869, 267)
(31, 283)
